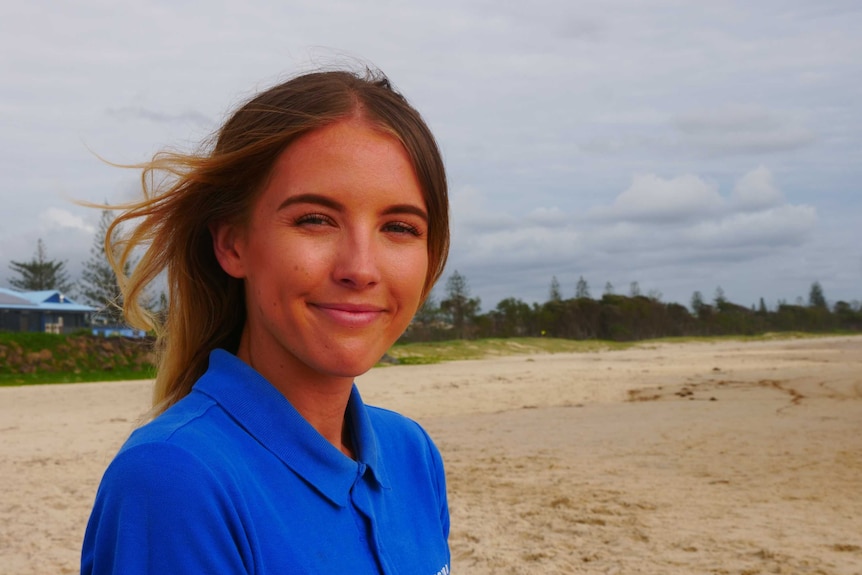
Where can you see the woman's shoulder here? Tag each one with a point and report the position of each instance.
(193, 434)
(181, 422)
(162, 481)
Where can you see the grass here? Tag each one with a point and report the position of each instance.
(406, 354)
(83, 376)
(79, 360)
(32, 340)
(455, 350)
(769, 336)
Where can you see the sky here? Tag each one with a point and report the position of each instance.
(680, 145)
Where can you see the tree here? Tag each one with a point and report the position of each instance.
(427, 323)
(460, 307)
(762, 307)
(609, 288)
(582, 290)
(554, 293)
(428, 312)
(161, 309)
(40, 273)
(816, 298)
(719, 298)
(696, 302)
(98, 281)
(634, 289)
(513, 318)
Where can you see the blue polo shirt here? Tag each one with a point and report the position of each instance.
(232, 479)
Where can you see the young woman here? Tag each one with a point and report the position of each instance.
(297, 250)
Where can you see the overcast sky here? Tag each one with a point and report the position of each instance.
(682, 145)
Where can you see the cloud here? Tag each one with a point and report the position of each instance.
(734, 130)
(142, 113)
(579, 29)
(471, 212)
(525, 244)
(484, 234)
(679, 223)
(778, 227)
(651, 198)
(55, 218)
(754, 215)
(673, 234)
(622, 143)
(755, 191)
(548, 217)
(545, 106)
(689, 199)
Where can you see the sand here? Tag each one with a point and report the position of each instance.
(727, 457)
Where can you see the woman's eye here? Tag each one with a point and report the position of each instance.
(402, 228)
(312, 219)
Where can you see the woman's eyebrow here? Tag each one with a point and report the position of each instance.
(328, 202)
(311, 199)
(406, 209)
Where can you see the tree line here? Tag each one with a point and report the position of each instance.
(458, 315)
(97, 286)
(618, 317)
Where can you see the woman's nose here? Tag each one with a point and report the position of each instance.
(357, 261)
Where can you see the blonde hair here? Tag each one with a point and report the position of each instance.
(186, 194)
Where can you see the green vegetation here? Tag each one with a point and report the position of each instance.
(11, 379)
(424, 353)
(36, 358)
(420, 353)
(632, 317)
(40, 273)
(453, 329)
(769, 336)
(30, 358)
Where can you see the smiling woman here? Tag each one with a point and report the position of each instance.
(334, 258)
(297, 250)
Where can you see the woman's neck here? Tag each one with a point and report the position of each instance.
(320, 399)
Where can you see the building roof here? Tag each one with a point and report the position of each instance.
(46, 300)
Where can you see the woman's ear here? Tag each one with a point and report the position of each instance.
(228, 247)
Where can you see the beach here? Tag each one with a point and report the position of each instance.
(725, 457)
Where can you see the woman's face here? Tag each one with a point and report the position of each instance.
(334, 256)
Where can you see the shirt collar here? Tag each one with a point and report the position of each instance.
(367, 446)
(265, 414)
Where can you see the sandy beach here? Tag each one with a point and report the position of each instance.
(723, 458)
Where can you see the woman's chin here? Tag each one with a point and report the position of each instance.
(348, 367)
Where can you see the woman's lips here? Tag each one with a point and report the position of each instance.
(350, 315)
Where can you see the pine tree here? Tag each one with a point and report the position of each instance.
(696, 302)
(429, 312)
(460, 307)
(555, 294)
(719, 299)
(816, 297)
(40, 273)
(582, 289)
(98, 282)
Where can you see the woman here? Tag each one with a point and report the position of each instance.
(297, 250)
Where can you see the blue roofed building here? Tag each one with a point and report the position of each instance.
(44, 311)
